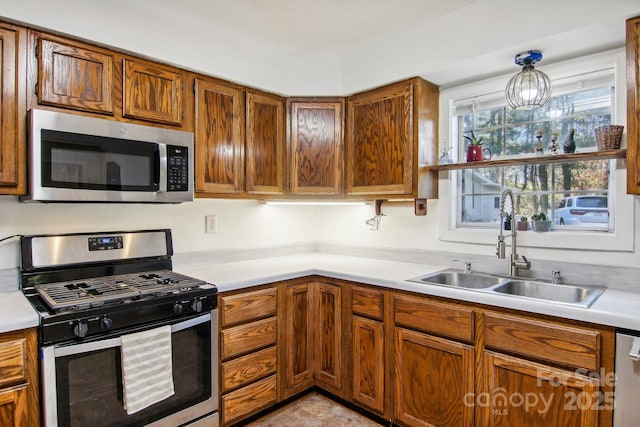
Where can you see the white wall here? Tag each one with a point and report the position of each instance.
(242, 224)
(171, 35)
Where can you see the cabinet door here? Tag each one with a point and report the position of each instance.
(152, 92)
(523, 393)
(633, 105)
(12, 110)
(265, 151)
(380, 142)
(75, 76)
(368, 363)
(219, 138)
(433, 376)
(298, 350)
(13, 406)
(315, 148)
(328, 340)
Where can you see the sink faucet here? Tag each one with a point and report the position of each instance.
(467, 265)
(515, 263)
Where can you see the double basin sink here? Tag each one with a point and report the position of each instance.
(577, 295)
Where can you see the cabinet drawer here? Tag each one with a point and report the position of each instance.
(244, 370)
(434, 317)
(567, 345)
(244, 338)
(248, 400)
(248, 306)
(367, 302)
(13, 356)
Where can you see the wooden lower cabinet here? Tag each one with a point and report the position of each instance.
(368, 363)
(524, 393)
(19, 387)
(298, 340)
(246, 401)
(313, 341)
(328, 335)
(433, 376)
(411, 359)
(13, 406)
(248, 353)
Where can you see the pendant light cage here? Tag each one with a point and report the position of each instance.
(530, 88)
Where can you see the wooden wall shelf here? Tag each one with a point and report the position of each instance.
(530, 160)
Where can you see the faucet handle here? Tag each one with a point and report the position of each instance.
(467, 265)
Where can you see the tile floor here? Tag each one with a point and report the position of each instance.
(313, 410)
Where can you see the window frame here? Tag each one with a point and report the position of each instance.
(618, 240)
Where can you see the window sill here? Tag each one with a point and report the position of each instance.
(527, 160)
(558, 239)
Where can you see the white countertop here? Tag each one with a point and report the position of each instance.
(614, 307)
(16, 312)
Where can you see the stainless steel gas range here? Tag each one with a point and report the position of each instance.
(124, 340)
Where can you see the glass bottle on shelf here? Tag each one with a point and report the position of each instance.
(445, 159)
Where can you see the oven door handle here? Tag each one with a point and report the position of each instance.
(117, 342)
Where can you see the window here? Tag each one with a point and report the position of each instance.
(596, 95)
(569, 117)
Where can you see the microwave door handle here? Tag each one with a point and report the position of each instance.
(162, 168)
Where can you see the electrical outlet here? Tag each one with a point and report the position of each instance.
(211, 224)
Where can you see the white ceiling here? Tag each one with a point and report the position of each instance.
(324, 47)
(321, 25)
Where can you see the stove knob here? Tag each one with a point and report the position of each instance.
(80, 329)
(178, 308)
(196, 306)
(106, 323)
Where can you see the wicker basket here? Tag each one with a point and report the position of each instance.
(608, 137)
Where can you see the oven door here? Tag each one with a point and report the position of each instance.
(82, 383)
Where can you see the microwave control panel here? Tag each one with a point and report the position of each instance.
(177, 168)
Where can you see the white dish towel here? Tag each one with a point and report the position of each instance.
(147, 377)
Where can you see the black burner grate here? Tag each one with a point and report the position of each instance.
(98, 291)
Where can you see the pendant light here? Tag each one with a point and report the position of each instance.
(530, 88)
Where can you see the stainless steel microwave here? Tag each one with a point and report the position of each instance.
(74, 158)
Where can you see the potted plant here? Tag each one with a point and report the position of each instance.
(475, 152)
(522, 224)
(507, 221)
(540, 222)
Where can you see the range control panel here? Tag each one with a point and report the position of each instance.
(105, 243)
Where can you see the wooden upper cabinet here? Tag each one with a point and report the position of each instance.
(12, 110)
(219, 137)
(265, 144)
(75, 76)
(633, 105)
(315, 147)
(380, 157)
(391, 135)
(152, 92)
